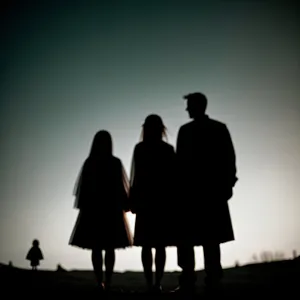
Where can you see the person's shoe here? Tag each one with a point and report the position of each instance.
(100, 288)
(149, 288)
(107, 287)
(157, 289)
(177, 290)
(213, 287)
(183, 289)
(212, 281)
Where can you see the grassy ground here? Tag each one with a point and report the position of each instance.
(269, 279)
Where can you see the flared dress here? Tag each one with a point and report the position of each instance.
(102, 199)
(34, 255)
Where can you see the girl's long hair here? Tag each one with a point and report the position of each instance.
(101, 145)
(153, 129)
(101, 148)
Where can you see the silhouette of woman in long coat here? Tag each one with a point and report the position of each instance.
(151, 196)
(102, 198)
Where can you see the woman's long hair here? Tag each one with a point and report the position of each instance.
(153, 129)
(101, 149)
(101, 145)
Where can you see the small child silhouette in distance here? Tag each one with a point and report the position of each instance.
(35, 254)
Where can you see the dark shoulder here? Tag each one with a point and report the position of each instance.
(138, 147)
(216, 123)
(186, 126)
(209, 120)
(219, 128)
(117, 161)
(87, 164)
(143, 147)
(168, 146)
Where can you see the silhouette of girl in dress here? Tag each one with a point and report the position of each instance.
(151, 196)
(102, 199)
(35, 255)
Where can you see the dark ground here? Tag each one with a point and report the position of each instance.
(276, 279)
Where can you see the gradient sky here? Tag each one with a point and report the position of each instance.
(71, 68)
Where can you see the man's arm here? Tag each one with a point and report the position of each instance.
(180, 143)
(229, 157)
